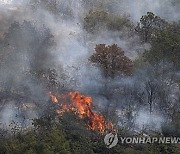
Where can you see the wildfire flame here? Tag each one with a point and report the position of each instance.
(54, 99)
(82, 106)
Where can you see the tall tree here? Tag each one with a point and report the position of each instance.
(165, 46)
(111, 60)
(148, 25)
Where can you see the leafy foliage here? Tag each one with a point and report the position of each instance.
(97, 20)
(148, 25)
(58, 140)
(111, 60)
(165, 46)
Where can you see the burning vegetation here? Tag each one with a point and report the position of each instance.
(81, 105)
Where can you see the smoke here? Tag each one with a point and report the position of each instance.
(12, 116)
(162, 8)
(38, 39)
(145, 121)
(167, 9)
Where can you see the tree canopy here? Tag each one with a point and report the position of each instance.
(111, 60)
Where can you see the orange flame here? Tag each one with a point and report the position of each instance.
(54, 99)
(82, 106)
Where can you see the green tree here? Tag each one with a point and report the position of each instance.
(165, 46)
(99, 19)
(148, 25)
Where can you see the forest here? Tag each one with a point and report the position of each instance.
(72, 71)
